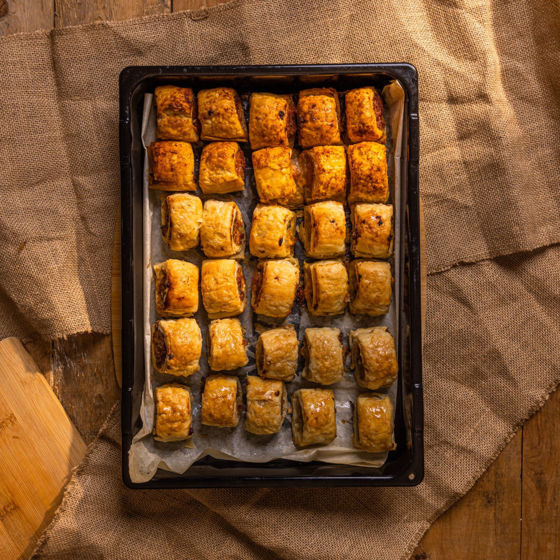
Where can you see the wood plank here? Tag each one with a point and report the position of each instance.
(19, 16)
(541, 483)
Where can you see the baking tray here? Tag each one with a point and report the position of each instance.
(405, 465)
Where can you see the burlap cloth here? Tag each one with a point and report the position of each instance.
(490, 130)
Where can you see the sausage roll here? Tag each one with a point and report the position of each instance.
(373, 423)
(221, 401)
(176, 288)
(326, 287)
(277, 353)
(367, 162)
(274, 287)
(223, 288)
(171, 166)
(364, 115)
(272, 120)
(173, 408)
(176, 346)
(313, 417)
(370, 287)
(222, 233)
(374, 359)
(319, 119)
(275, 177)
(222, 168)
(323, 171)
(324, 230)
(273, 232)
(226, 345)
(176, 114)
(181, 218)
(324, 355)
(372, 230)
(266, 407)
(221, 115)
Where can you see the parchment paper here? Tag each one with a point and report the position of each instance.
(146, 454)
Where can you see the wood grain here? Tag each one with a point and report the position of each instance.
(26, 15)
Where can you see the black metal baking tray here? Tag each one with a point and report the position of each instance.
(405, 465)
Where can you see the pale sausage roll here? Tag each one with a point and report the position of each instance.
(223, 288)
(275, 177)
(319, 119)
(313, 417)
(176, 288)
(267, 403)
(226, 345)
(326, 287)
(274, 287)
(373, 423)
(324, 355)
(176, 114)
(222, 168)
(221, 401)
(364, 115)
(272, 120)
(221, 115)
(374, 358)
(277, 353)
(173, 411)
(370, 287)
(171, 166)
(176, 346)
(324, 174)
(181, 218)
(222, 233)
(324, 230)
(273, 232)
(369, 182)
(372, 230)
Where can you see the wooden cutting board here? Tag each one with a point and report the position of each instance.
(39, 446)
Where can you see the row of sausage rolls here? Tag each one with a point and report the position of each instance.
(313, 412)
(217, 114)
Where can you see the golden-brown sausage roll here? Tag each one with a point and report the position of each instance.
(323, 169)
(226, 345)
(324, 230)
(171, 166)
(273, 232)
(319, 119)
(222, 168)
(223, 288)
(274, 287)
(176, 346)
(373, 423)
(326, 287)
(313, 417)
(324, 355)
(272, 120)
(222, 233)
(173, 410)
(364, 115)
(372, 230)
(176, 288)
(176, 114)
(275, 177)
(277, 353)
(369, 182)
(266, 406)
(221, 401)
(181, 218)
(371, 287)
(374, 358)
(221, 115)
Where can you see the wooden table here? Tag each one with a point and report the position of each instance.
(512, 511)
